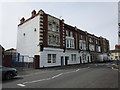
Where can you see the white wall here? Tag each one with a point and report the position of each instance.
(44, 57)
(69, 52)
(27, 45)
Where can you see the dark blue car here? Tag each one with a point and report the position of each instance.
(8, 73)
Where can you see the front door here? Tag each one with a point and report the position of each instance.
(88, 59)
(62, 60)
(80, 59)
(66, 60)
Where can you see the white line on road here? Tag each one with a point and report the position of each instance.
(77, 70)
(37, 80)
(57, 75)
(21, 85)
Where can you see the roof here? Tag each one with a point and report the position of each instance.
(114, 51)
(11, 49)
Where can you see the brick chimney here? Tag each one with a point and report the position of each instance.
(22, 20)
(33, 13)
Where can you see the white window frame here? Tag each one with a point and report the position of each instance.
(91, 47)
(52, 58)
(82, 44)
(70, 42)
(73, 57)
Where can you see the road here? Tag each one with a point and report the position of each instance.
(102, 75)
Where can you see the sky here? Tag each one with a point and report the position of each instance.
(98, 18)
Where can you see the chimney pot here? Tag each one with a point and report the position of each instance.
(33, 13)
(22, 20)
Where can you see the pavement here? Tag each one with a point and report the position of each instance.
(94, 75)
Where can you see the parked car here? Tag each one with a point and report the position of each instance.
(8, 73)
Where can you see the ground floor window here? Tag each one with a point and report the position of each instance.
(51, 58)
(73, 57)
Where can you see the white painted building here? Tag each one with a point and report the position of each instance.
(56, 43)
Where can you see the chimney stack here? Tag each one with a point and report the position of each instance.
(22, 20)
(33, 13)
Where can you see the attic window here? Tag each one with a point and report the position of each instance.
(35, 29)
(23, 34)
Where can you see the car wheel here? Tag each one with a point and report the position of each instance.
(9, 75)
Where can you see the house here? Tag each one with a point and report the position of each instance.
(54, 43)
(115, 54)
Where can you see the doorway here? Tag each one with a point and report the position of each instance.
(66, 60)
(62, 61)
(80, 60)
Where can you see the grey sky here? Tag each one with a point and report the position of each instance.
(98, 18)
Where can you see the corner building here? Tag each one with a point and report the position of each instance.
(54, 43)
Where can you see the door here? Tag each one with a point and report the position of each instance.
(62, 60)
(80, 59)
(66, 60)
(88, 59)
(36, 61)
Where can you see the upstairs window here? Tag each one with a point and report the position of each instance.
(69, 43)
(82, 44)
(53, 26)
(91, 47)
(69, 33)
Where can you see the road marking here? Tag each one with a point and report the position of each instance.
(37, 80)
(57, 75)
(69, 72)
(21, 85)
(77, 70)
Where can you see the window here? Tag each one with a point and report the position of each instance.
(82, 44)
(73, 57)
(71, 34)
(67, 33)
(69, 43)
(53, 26)
(91, 47)
(51, 58)
(49, 26)
(54, 58)
(98, 48)
(90, 40)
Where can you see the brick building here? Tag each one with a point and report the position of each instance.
(54, 43)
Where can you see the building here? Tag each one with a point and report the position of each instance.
(1, 54)
(118, 33)
(115, 54)
(11, 50)
(55, 43)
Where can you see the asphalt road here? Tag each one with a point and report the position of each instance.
(102, 75)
